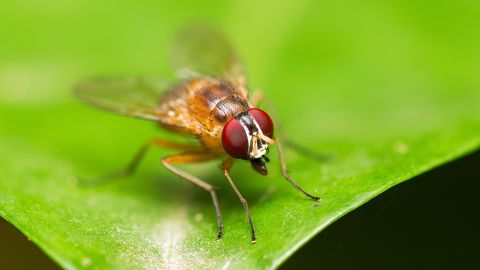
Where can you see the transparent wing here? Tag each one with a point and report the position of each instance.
(203, 51)
(132, 96)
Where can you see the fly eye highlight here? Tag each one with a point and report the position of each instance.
(234, 139)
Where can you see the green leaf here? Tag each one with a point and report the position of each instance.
(388, 90)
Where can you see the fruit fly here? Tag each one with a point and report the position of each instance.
(210, 101)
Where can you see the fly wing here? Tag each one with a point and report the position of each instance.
(202, 51)
(131, 96)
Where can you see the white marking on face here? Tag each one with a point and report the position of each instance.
(256, 146)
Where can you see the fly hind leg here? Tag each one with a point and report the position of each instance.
(194, 157)
(133, 164)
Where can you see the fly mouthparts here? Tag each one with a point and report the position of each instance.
(259, 166)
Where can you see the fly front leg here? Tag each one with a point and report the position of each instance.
(226, 169)
(285, 171)
(194, 157)
(258, 97)
(133, 164)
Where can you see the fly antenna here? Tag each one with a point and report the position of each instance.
(265, 138)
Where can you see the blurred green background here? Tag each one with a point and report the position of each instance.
(351, 78)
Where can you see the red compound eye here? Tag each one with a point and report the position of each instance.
(234, 139)
(263, 120)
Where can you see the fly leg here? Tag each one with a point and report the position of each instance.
(226, 169)
(285, 171)
(258, 97)
(193, 157)
(133, 164)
